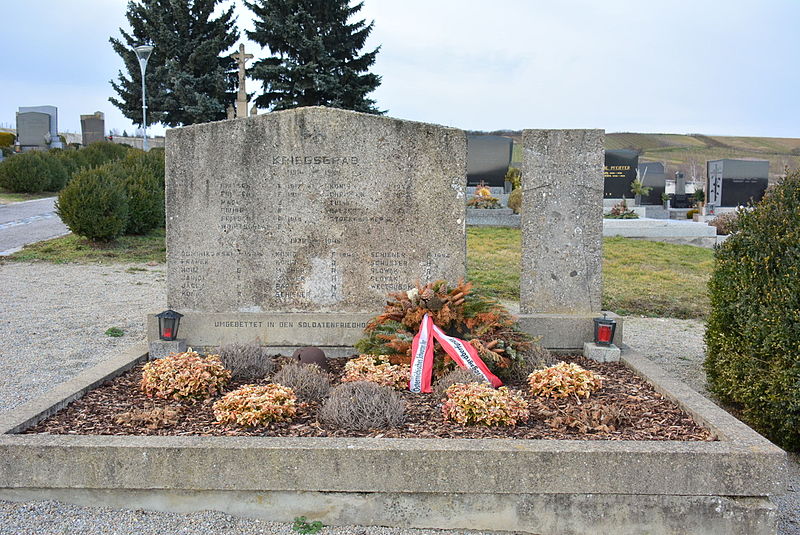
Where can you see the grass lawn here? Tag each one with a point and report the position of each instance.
(9, 197)
(71, 248)
(639, 277)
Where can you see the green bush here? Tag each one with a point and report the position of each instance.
(7, 139)
(690, 213)
(25, 173)
(515, 200)
(56, 172)
(145, 194)
(94, 204)
(753, 331)
(103, 152)
(72, 160)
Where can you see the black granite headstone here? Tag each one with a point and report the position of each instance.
(736, 182)
(488, 158)
(619, 173)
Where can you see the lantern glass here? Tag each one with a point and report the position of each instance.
(604, 329)
(168, 322)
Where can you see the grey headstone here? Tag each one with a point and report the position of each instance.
(52, 114)
(488, 159)
(291, 227)
(93, 128)
(562, 221)
(32, 129)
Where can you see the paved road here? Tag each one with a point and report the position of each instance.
(27, 222)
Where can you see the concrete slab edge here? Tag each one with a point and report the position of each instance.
(741, 464)
(36, 410)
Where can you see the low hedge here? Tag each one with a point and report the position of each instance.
(25, 173)
(94, 204)
(753, 331)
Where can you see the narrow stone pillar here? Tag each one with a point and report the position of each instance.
(562, 228)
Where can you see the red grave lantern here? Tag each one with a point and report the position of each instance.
(168, 322)
(604, 330)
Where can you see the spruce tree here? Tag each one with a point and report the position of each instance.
(315, 57)
(189, 77)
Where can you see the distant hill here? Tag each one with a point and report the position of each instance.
(689, 153)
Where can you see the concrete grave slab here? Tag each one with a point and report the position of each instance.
(530, 486)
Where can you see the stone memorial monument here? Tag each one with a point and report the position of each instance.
(37, 128)
(290, 228)
(93, 128)
(562, 226)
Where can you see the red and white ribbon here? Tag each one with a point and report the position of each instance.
(460, 351)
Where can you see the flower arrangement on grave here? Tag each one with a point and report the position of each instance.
(564, 380)
(184, 376)
(479, 403)
(252, 405)
(621, 211)
(483, 198)
(459, 311)
(376, 369)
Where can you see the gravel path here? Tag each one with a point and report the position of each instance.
(52, 326)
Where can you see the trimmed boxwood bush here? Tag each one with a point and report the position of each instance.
(145, 195)
(56, 172)
(94, 204)
(25, 173)
(103, 152)
(753, 332)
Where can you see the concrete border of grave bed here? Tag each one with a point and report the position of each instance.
(519, 485)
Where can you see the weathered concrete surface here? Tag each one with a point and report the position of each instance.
(561, 514)
(601, 353)
(741, 464)
(517, 485)
(161, 348)
(21, 418)
(269, 328)
(566, 331)
(314, 210)
(562, 221)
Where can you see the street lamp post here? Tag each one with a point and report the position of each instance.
(143, 53)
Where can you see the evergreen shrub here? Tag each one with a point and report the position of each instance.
(25, 173)
(144, 192)
(56, 172)
(94, 205)
(753, 331)
(103, 152)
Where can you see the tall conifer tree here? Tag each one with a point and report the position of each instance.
(190, 78)
(315, 57)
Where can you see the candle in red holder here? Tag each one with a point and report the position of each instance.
(604, 329)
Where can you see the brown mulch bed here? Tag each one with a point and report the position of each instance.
(644, 414)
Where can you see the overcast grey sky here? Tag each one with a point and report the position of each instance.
(725, 67)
